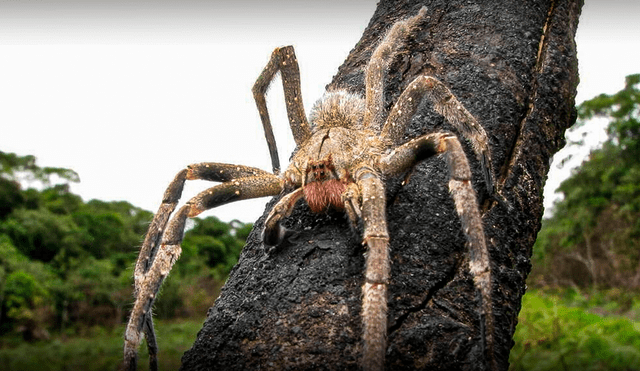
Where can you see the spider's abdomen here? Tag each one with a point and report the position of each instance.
(322, 194)
(338, 109)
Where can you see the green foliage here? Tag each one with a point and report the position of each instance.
(217, 244)
(555, 336)
(10, 196)
(593, 238)
(66, 265)
(100, 350)
(26, 304)
(24, 169)
(41, 234)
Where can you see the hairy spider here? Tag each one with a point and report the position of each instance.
(345, 151)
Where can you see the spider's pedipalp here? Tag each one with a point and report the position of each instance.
(282, 60)
(273, 232)
(352, 204)
(378, 66)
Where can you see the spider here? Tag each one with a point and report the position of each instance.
(345, 151)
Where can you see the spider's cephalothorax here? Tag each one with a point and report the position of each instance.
(346, 151)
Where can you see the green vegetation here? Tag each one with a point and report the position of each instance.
(593, 237)
(555, 334)
(584, 310)
(100, 350)
(66, 265)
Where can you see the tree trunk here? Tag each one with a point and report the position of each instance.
(513, 65)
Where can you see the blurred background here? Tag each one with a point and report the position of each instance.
(102, 102)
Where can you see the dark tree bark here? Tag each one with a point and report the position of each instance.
(513, 65)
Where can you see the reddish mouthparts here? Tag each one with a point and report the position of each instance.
(319, 195)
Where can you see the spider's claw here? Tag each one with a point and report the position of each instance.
(274, 233)
(274, 236)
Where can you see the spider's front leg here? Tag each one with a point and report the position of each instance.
(367, 200)
(161, 247)
(405, 157)
(282, 60)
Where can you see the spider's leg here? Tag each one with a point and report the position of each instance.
(374, 290)
(240, 182)
(147, 288)
(235, 190)
(283, 60)
(210, 171)
(378, 66)
(152, 343)
(406, 156)
(446, 104)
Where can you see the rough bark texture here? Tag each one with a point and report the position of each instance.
(513, 65)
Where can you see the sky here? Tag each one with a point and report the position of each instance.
(127, 93)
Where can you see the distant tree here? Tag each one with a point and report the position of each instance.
(16, 171)
(24, 168)
(593, 238)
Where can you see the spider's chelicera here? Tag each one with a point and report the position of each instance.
(345, 151)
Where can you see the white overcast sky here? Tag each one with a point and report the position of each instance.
(127, 93)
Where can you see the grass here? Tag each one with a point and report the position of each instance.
(551, 335)
(102, 351)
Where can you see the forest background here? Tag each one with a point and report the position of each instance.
(66, 264)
